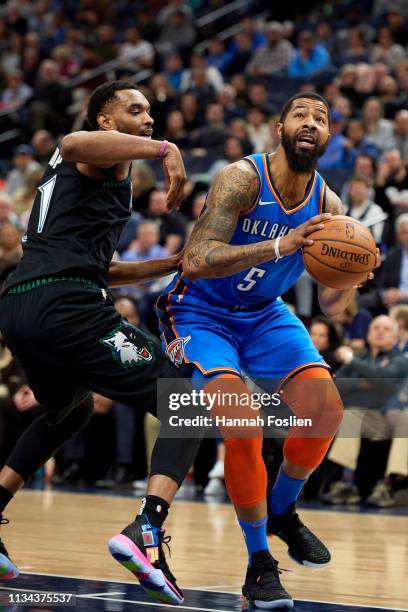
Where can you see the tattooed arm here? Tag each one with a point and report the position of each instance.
(208, 254)
(334, 301)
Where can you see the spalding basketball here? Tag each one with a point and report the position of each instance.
(342, 255)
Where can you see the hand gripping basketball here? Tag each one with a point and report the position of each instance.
(299, 237)
(371, 274)
(342, 255)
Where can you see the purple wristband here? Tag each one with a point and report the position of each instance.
(162, 150)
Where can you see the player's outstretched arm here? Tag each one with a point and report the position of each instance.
(105, 149)
(208, 254)
(102, 147)
(123, 273)
(333, 301)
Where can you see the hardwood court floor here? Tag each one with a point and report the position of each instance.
(66, 534)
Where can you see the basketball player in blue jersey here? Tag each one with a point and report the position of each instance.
(222, 315)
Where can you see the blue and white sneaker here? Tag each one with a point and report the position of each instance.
(139, 548)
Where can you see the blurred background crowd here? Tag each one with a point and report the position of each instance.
(217, 74)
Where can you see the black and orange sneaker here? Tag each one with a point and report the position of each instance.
(8, 570)
(263, 587)
(303, 546)
(139, 548)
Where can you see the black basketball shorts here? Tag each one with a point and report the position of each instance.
(70, 340)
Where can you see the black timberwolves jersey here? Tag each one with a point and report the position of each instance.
(75, 224)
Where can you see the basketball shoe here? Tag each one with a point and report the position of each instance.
(139, 548)
(262, 583)
(304, 547)
(7, 568)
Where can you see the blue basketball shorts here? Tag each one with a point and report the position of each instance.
(206, 340)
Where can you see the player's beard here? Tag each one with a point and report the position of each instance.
(303, 162)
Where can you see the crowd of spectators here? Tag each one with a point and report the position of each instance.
(216, 88)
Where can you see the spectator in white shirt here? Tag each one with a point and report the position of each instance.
(258, 130)
(378, 129)
(140, 52)
(363, 209)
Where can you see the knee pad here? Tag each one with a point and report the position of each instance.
(248, 449)
(320, 401)
(245, 472)
(312, 394)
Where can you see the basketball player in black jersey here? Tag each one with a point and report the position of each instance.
(58, 318)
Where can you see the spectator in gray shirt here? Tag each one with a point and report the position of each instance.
(177, 33)
(366, 383)
(401, 133)
(23, 162)
(274, 56)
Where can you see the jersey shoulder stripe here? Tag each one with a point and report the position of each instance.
(251, 162)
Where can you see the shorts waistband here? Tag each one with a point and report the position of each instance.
(46, 280)
(238, 307)
(249, 308)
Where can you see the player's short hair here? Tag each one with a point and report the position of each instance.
(312, 95)
(101, 96)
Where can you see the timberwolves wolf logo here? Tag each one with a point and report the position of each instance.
(124, 344)
(350, 231)
(175, 349)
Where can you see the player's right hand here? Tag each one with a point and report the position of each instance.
(371, 275)
(175, 176)
(299, 237)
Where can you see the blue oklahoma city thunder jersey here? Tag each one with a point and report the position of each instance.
(266, 220)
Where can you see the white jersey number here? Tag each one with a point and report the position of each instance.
(250, 279)
(46, 191)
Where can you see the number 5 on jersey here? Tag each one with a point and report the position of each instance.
(250, 279)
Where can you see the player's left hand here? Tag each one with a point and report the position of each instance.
(175, 175)
(371, 275)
